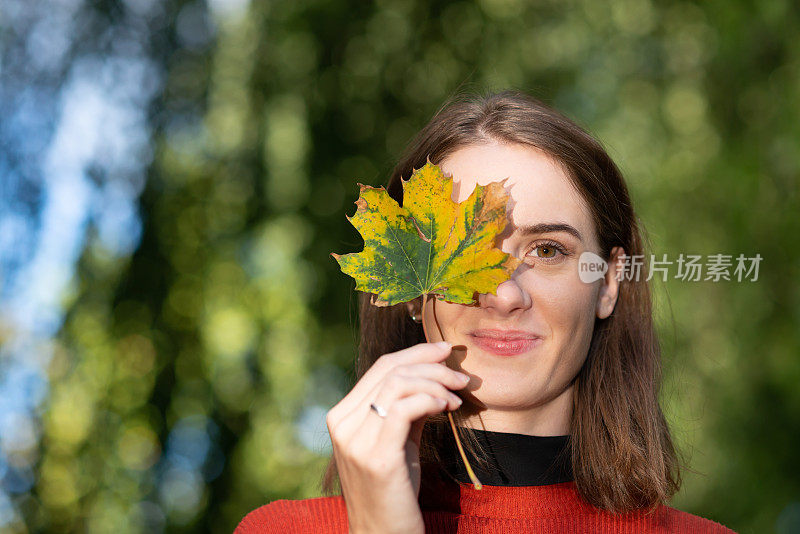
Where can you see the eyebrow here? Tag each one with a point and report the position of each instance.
(546, 228)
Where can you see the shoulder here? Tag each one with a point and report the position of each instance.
(320, 515)
(680, 521)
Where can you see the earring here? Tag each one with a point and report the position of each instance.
(416, 318)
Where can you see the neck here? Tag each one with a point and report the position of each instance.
(549, 418)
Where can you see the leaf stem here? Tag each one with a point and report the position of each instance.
(475, 482)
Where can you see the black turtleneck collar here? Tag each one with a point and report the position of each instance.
(516, 459)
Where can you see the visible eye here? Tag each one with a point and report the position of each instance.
(548, 251)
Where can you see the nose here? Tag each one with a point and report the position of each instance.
(510, 296)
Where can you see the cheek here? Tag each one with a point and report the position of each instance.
(567, 305)
(447, 317)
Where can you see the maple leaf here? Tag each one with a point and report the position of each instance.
(430, 245)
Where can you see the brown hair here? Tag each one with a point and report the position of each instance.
(623, 457)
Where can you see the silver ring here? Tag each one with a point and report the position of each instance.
(378, 410)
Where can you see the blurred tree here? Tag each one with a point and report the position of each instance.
(188, 375)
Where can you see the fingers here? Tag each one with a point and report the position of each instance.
(397, 386)
(440, 373)
(393, 386)
(395, 427)
(420, 353)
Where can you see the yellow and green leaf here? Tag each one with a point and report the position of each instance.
(430, 245)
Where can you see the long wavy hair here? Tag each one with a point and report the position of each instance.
(622, 454)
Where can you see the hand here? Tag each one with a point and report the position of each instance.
(377, 458)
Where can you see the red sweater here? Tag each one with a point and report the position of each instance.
(460, 508)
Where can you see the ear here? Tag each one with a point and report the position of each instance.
(414, 306)
(609, 290)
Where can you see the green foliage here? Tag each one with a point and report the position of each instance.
(231, 312)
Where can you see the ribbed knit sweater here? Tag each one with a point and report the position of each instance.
(518, 495)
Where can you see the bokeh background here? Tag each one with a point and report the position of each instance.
(175, 174)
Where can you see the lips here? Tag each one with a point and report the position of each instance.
(506, 342)
(505, 335)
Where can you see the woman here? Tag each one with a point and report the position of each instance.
(552, 381)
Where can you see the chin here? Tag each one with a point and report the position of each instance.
(508, 387)
(498, 400)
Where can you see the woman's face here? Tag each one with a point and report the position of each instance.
(525, 386)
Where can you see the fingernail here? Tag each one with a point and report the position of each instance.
(445, 344)
(464, 378)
